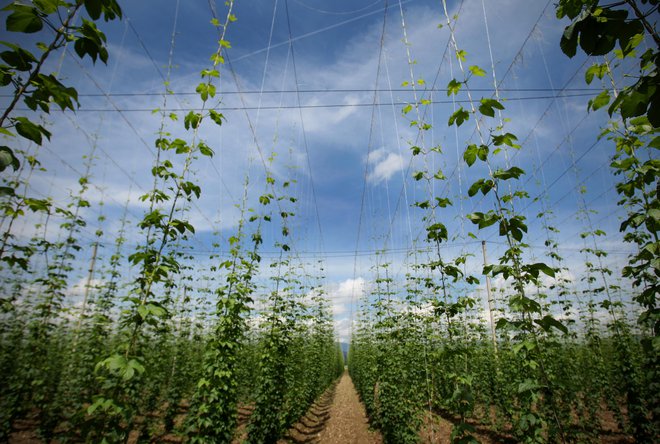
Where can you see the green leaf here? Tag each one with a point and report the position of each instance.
(475, 70)
(453, 87)
(545, 269)
(487, 107)
(24, 19)
(569, 38)
(143, 311)
(210, 73)
(47, 6)
(482, 185)
(495, 269)
(110, 9)
(30, 130)
(94, 8)
(483, 220)
(596, 36)
(505, 139)
(50, 89)
(7, 158)
(91, 42)
(475, 187)
(216, 117)
(458, 117)
(437, 232)
(192, 120)
(202, 90)
(635, 102)
(568, 8)
(19, 58)
(205, 90)
(511, 173)
(156, 310)
(205, 150)
(515, 225)
(94, 406)
(568, 43)
(599, 101)
(7, 192)
(528, 385)
(598, 70)
(470, 154)
(265, 199)
(217, 59)
(442, 202)
(548, 322)
(482, 152)
(131, 367)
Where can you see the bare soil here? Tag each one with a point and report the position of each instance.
(348, 421)
(337, 417)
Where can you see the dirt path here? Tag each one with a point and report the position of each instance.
(348, 420)
(337, 417)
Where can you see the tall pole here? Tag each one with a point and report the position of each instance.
(490, 299)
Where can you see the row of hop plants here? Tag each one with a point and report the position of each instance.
(178, 348)
(563, 354)
(414, 358)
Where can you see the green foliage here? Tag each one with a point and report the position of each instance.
(39, 90)
(598, 28)
(488, 107)
(458, 117)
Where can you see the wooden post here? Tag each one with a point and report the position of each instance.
(490, 299)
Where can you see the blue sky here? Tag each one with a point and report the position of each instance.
(351, 160)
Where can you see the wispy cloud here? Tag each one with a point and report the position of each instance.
(384, 165)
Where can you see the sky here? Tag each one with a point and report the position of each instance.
(320, 87)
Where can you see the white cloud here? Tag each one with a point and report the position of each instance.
(324, 120)
(343, 329)
(345, 294)
(384, 165)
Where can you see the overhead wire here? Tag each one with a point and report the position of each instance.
(420, 134)
(322, 11)
(417, 138)
(392, 104)
(116, 108)
(366, 168)
(324, 90)
(315, 32)
(255, 139)
(302, 125)
(128, 123)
